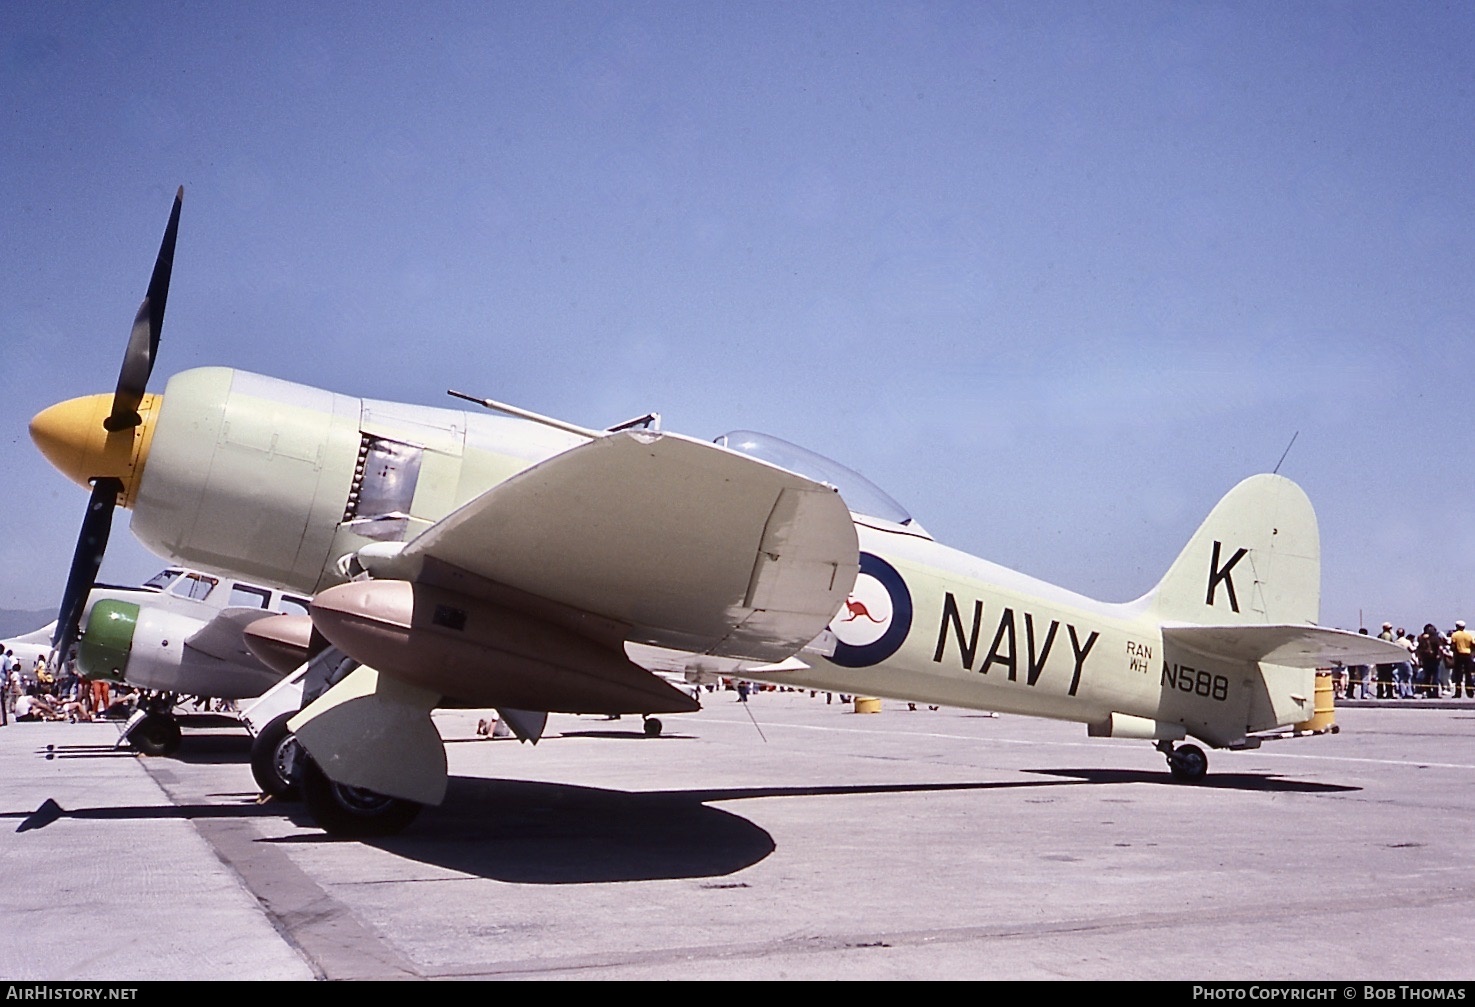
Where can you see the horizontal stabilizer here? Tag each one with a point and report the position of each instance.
(1291, 646)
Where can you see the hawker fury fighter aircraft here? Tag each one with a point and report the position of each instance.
(509, 560)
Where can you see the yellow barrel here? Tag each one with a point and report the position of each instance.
(1326, 705)
(867, 704)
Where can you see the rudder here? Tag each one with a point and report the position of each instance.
(1256, 559)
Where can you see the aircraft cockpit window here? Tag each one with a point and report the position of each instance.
(860, 494)
(246, 596)
(194, 586)
(163, 579)
(292, 606)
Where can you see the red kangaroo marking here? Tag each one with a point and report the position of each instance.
(858, 609)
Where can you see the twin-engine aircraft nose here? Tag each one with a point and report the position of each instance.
(103, 651)
(72, 437)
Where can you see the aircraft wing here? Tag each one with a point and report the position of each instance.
(702, 667)
(222, 637)
(524, 597)
(1290, 645)
(687, 544)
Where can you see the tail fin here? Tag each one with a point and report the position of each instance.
(1256, 559)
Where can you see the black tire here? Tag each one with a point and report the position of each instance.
(352, 812)
(156, 734)
(1188, 764)
(652, 727)
(273, 751)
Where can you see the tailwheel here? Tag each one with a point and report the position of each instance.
(1188, 763)
(274, 757)
(652, 727)
(352, 812)
(156, 734)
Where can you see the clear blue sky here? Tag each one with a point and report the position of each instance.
(1055, 275)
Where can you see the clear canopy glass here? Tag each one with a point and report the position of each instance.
(862, 496)
(163, 578)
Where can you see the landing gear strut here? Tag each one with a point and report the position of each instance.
(1187, 763)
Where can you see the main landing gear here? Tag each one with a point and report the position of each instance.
(1187, 763)
(274, 758)
(157, 731)
(284, 771)
(352, 812)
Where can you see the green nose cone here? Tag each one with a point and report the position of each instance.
(102, 653)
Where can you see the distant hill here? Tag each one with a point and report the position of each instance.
(14, 622)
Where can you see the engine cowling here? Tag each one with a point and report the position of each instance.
(147, 647)
(248, 474)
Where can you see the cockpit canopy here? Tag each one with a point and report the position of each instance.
(196, 586)
(863, 497)
(236, 594)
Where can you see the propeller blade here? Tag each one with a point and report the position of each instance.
(143, 342)
(86, 560)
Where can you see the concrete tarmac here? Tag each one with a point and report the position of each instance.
(901, 845)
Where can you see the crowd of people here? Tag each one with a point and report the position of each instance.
(1439, 666)
(43, 693)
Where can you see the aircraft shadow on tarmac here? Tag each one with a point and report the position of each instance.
(85, 752)
(550, 833)
(633, 733)
(1260, 782)
(215, 749)
(627, 734)
(529, 832)
(49, 812)
(201, 749)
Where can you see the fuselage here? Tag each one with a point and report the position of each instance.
(276, 482)
(150, 637)
(284, 484)
(933, 624)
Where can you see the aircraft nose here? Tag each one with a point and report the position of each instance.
(103, 651)
(72, 437)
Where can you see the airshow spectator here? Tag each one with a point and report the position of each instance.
(1403, 675)
(1385, 671)
(1462, 649)
(1446, 666)
(1430, 651)
(100, 694)
(33, 705)
(1357, 676)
